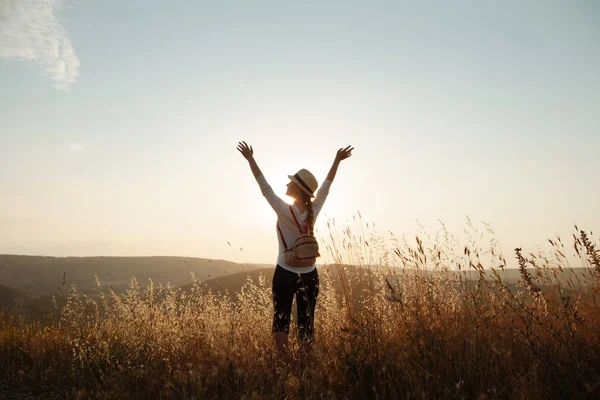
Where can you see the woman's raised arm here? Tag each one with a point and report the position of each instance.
(248, 153)
(276, 203)
(341, 154)
(323, 192)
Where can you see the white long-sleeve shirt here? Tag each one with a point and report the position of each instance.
(286, 221)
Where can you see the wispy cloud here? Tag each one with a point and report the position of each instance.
(30, 30)
(75, 147)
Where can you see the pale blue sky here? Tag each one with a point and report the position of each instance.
(119, 120)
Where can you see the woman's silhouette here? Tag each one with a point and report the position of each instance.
(292, 221)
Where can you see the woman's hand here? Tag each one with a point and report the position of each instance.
(247, 151)
(344, 153)
(341, 154)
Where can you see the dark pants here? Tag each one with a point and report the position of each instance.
(286, 284)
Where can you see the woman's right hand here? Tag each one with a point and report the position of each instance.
(344, 153)
(247, 151)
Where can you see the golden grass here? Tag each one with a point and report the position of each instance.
(402, 321)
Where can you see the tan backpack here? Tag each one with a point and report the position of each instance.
(305, 251)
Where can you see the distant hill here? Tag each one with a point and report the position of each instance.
(39, 275)
(232, 283)
(8, 298)
(26, 282)
(513, 275)
(17, 303)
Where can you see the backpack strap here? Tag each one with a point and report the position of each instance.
(296, 221)
(282, 238)
(299, 228)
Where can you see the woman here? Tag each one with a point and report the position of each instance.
(292, 221)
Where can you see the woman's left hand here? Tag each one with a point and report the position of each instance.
(247, 151)
(344, 153)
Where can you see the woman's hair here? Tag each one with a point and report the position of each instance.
(311, 212)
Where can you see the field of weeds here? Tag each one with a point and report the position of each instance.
(393, 321)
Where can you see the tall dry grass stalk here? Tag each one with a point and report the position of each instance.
(393, 320)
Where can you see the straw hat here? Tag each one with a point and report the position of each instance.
(305, 181)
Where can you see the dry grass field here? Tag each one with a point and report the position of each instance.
(392, 321)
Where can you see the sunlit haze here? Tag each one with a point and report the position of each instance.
(119, 120)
